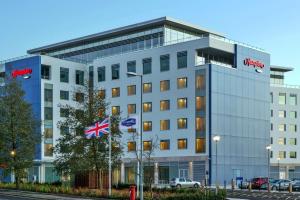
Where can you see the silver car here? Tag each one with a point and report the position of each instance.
(184, 183)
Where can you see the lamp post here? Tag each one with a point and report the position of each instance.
(269, 149)
(278, 159)
(141, 133)
(216, 139)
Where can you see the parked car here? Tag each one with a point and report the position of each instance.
(184, 183)
(244, 185)
(282, 184)
(296, 185)
(258, 182)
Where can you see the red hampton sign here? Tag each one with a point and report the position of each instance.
(254, 63)
(21, 72)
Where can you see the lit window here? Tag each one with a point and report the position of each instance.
(164, 105)
(293, 128)
(115, 92)
(200, 103)
(147, 87)
(48, 150)
(200, 124)
(164, 63)
(131, 146)
(182, 123)
(115, 71)
(281, 154)
(282, 99)
(182, 59)
(182, 143)
(147, 62)
(293, 141)
(164, 145)
(281, 127)
(164, 85)
(131, 90)
(281, 141)
(48, 133)
(147, 107)
(200, 145)
(293, 154)
(131, 108)
(181, 103)
(293, 99)
(281, 113)
(147, 145)
(293, 114)
(182, 83)
(147, 126)
(115, 110)
(200, 82)
(101, 94)
(164, 124)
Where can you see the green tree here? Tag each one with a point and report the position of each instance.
(18, 130)
(77, 154)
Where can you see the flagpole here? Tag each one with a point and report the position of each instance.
(109, 161)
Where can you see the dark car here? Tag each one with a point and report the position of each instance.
(296, 185)
(258, 182)
(282, 184)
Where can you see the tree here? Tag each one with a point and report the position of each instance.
(74, 152)
(18, 130)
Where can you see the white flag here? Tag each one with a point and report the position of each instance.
(130, 122)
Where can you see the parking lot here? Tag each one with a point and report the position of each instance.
(262, 195)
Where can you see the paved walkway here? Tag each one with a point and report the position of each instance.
(262, 195)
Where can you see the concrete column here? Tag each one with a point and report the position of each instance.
(43, 173)
(122, 173)
(156, 173)
(191, 176)
(287, 172)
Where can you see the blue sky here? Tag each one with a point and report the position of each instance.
(270, 24)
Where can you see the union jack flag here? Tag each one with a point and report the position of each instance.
(98, 129)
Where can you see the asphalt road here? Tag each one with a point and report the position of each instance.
(263, 195)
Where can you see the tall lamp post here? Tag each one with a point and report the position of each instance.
(141, 134)
(216, 139)
(269, 149)
(278, 159)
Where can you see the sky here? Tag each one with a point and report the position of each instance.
(273, 25)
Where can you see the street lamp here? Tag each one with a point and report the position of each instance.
(216, 139)
(141, 133)
(278, 159)
(269, 149)
(13, 153)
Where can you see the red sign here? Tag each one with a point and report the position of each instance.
(21, 72)
(254, 63)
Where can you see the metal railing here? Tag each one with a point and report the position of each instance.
(285, 86)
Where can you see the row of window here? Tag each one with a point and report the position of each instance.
(165, 145)
(282, 127)
(282, 154)
(147, 66)
(282, 97)
(282, 141)
(282, 114)
(182, 103)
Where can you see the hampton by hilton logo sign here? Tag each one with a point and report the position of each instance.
(22, 72)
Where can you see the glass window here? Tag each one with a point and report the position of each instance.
(282, 99)
(293, 141)
(164, 85)
(164, 105)
(48, 133)
(64, 112)
(64, 130)
(48, 113)
(293, 99)
(131, 146)
(200, 82)
(147, 145)
(182, 143)
(147, 62)
(115, 92)
(45, 72)
(182, 83)
(165, 63)
(271, 113)
(64, 75)
(271, 127)
(200, 124)
(115, 72)
(79, 97)
(200, 145)
(64, 95)
(293, 154)
(271, 142)
(131, 108)
(281, 127)
(102, 93)
(147, 87)
(182, 59)
(293, 128)
(182, 123)
(48, 150)
(48, 95)
(115, 110)
(101, 74)
(147, 107)
(271, 96)
(147, 126)
(281, 154)
(293, 114)
(164, 144)
(131, 67)
(181, 103)
(131, 90)
(200, 103)
(79, 77)
(281, 141)
(164, 124)
(281, 113)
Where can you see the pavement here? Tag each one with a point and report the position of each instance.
(261, 195)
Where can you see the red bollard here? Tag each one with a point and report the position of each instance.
(132, 193)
